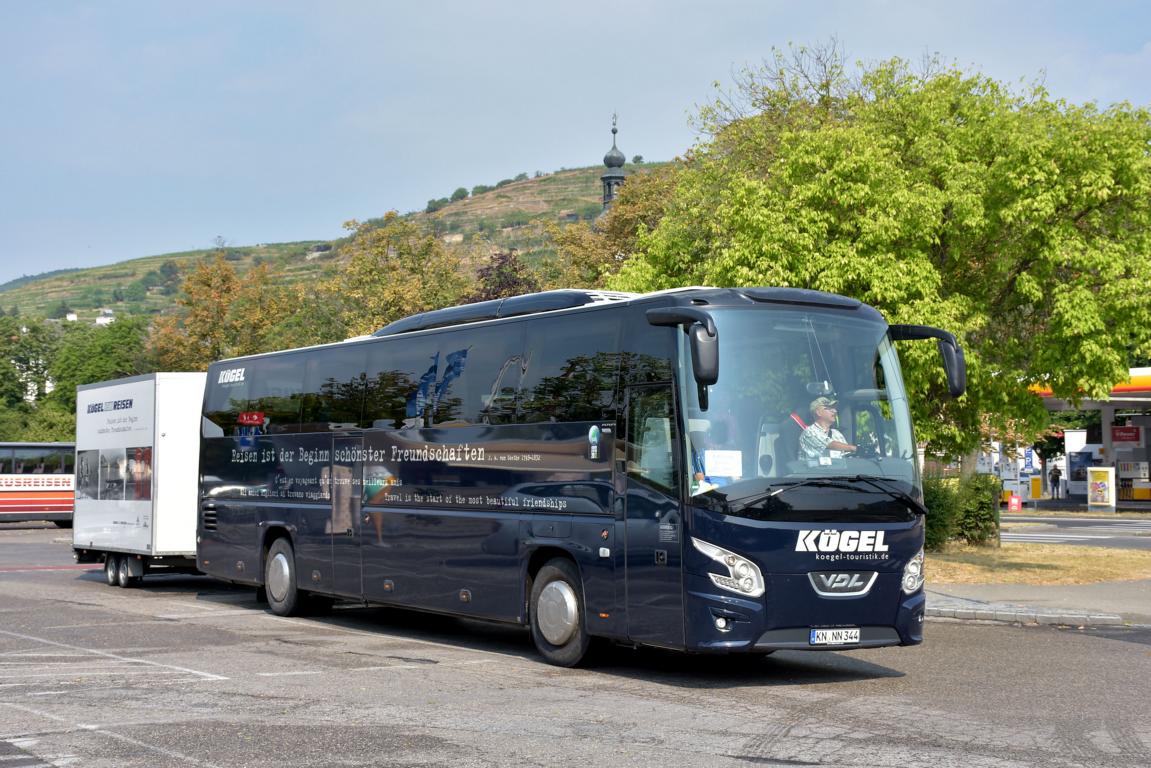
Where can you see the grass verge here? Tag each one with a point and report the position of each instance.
(1036, 564)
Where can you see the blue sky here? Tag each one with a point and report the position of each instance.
(131, 128)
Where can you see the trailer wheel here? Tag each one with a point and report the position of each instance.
(111, 569)
(557, 614)
(280, 578)
(124, 575)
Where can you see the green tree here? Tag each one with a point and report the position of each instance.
(26, 348)
(219, 314)
(90, 353)
(50, 422)
(587, 258)
(12, 420)
(12, 388)
(1019, 222)
(393, 270)
(504, 275)
(461, 193)
(322, 323)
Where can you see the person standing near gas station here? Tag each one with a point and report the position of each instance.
(1054, 476)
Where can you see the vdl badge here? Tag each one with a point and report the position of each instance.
(841, 636)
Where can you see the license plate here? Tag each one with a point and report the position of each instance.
(841, 636)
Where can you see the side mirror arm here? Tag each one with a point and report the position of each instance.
(703, 338)
(954, 362)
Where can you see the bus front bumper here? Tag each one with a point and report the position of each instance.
(728, 624)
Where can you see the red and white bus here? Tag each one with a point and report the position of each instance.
(37, 482)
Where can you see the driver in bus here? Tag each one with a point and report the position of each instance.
(821, 439)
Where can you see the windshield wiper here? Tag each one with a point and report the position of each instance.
(825, 482)
(834, 481)
(883, 484)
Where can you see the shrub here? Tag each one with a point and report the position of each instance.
(977, 521)
(941, 498)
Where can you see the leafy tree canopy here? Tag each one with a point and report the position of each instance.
(393, 270)
(589, 257)
(90, 353)
(220, 314)
(503, 276)
(1018, 222)
(26, 346)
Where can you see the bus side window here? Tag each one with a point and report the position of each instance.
(479, 377)
(651, 439)
(333, 396)
(275, 391)
(572, 368)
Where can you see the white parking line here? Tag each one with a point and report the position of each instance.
(377, 668)
(29, 638)
(381, 634)
(164, 618)
(87, 673)
(184, 759)
(216, 615)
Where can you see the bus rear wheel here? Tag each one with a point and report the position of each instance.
(280, 578)
(557, 614)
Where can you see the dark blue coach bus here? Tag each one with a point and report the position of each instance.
(639, 468)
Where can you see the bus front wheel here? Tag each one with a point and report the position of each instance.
(280, 578)
(557, 614)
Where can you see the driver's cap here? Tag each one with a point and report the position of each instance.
(822, 402)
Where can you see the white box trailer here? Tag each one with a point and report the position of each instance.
(137, 464)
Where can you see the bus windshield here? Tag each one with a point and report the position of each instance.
(804, 398)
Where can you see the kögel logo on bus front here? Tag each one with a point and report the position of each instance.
(231, 376)
(840, 541)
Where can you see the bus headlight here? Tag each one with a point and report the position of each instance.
(913, 574)
(743, 576)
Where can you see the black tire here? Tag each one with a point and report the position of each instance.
(124, 577)
(558, 622)
(111, 569)
(280, 579)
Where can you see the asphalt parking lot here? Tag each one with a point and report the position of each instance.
(189, 671)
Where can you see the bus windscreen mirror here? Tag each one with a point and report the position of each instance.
(703, 338)
(704, 355)
(954, 362)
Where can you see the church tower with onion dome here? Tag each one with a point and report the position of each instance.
(613, 177)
